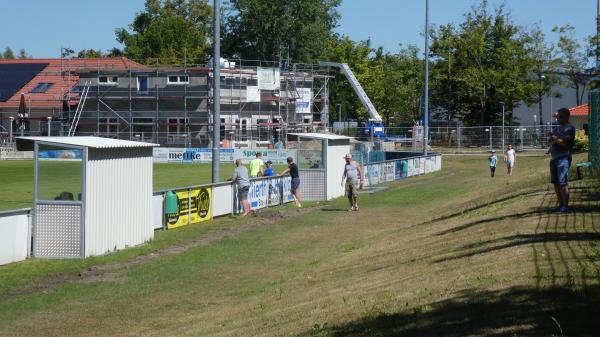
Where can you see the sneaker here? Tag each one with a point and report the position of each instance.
(561, 210)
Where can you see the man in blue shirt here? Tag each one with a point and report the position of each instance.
(561, 141)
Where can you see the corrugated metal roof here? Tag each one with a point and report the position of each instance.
(26, 143)
(320, 136)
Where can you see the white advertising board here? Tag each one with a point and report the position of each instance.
(268, 78)
(303, 103)
(189, 155)
(276, 156)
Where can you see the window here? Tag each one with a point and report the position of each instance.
(177, 125)
(41, 88)
(108, 125)
(108, 80)
(178, 79)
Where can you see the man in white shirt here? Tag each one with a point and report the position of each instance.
(511, 158)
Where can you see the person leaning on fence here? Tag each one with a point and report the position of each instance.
(511, 158)
(293, 170)
(561, 141)
(493, 161)
(242, 181)
(353, 174)
(256, 166)
(269, 172)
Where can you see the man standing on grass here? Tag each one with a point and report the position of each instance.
(561, 141)
(256, 166)
(240, 178)
(293, 170)
(353, 174)
(511, 158)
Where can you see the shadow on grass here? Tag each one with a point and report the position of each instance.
(563, 301)
(511, 312)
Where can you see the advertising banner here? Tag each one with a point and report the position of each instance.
(268, 78)
(389, 170)
(258, 195)
(193, 206)
(60, 154)
(276, 156)
(303, 103)
(190, 155)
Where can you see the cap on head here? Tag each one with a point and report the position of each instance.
(348, 156)
(269, 162)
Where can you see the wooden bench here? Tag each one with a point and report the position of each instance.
(578, 166)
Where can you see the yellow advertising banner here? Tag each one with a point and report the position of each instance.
(193, 206)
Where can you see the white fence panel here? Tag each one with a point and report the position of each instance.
(222, 200)
(14, 237)
(157, 211)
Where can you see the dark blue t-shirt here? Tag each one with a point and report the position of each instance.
(294, 170)
(567, 134)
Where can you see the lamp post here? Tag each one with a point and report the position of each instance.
(542, 78)
(339, 112)
(49, 125)
(502, 104)
(426, 105)
(490, 131)
(216, 152)
(10, 129)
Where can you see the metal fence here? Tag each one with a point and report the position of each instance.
(594, 129)
(457, 139)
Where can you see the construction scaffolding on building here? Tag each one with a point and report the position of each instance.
(171, 105)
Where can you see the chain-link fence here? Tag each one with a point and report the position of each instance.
(457, 139)
(594, 128)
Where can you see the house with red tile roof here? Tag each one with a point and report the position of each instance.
(579, 116)
(47, 84)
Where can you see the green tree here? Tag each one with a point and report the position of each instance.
(89, 53)
(298, 30)
(544, 67)
(167, 31)
(485, 62)
(8, 53)
(574, 61)
(23, 54)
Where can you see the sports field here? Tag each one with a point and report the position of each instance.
(16, 179)
(454, 253)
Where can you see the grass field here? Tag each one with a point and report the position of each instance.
(16, 179)
(453, 253)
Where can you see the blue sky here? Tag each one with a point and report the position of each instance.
(42, 27)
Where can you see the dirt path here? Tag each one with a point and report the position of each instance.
(117, 271)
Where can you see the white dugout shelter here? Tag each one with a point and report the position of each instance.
(91, 195)
(321, 164)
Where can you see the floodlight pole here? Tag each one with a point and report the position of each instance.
(502, 104)
(426, 108)
(216, 156)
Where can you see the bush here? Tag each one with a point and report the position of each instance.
(581, 141)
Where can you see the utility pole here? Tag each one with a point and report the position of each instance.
(216, 155)
(426, 112)
(502, 104)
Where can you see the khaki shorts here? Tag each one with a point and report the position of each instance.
(351, 188)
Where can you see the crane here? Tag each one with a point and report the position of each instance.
(375, 125)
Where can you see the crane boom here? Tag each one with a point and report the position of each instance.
(362, 95)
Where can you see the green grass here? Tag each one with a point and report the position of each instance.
(453, 253)
(16, 179)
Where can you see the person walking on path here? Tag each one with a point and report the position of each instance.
(256, 165)
(561, 141)
(511, 158)
(493, 161)
(353, 174)
(293, 170)
(241, 179)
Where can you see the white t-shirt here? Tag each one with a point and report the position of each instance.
(510, 156)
